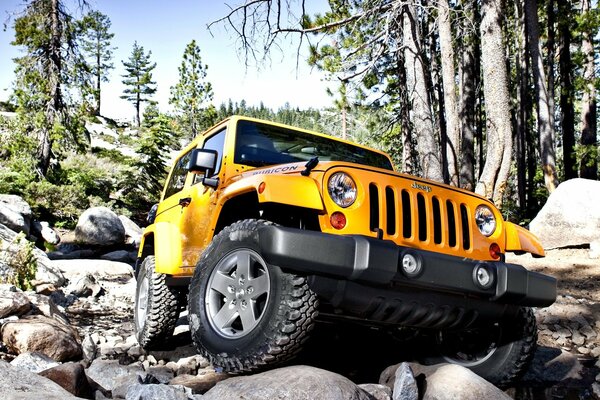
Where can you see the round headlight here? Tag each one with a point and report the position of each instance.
(342, 189)
(485, 220)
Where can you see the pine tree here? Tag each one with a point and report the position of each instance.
(138, 79)
(43, 76)
(96, 46)
(192, 94)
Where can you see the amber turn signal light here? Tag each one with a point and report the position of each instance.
(338, 220)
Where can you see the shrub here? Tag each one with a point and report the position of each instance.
(22, 264)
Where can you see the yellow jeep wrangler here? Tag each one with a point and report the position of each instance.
(266, 227)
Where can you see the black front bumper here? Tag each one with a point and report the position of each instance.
(364, 276)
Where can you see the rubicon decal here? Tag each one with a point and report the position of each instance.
(424, 188)
(276, 170)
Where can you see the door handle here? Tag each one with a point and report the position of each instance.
(185, 201)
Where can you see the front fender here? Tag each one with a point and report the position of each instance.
(520, 239)
(167, 247)
(293, 190)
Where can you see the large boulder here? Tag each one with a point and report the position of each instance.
(446, 381)
(34, 362)
(13, 301)
(42, 229)
(15, 213)
(38, 333)
(20, 384)
(571, 216)
(133, 233)
(99, 226)
(99, 269)
(291, 383)
(107, 372)
(71, 377)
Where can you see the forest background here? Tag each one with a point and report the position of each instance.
(494, 96)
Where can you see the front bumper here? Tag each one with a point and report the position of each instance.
(364, 276)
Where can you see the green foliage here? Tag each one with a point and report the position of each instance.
(192, 94)
(18, 256)
(138, 79)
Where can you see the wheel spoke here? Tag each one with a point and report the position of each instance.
(260, 286)
(225, 316)
(248, 317)
(243, 266)
(221, 284)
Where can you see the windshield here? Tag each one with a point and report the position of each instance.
(259, 145)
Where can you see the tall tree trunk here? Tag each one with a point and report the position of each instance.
(589, 161)
(448, 79)
(98, 79)
(422, 117)
(405, 125)
(494, 176)
(467, 101)
(551, 50)
(567, 91)
(520, 119)
(545, 130)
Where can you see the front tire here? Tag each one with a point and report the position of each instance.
(499, 353)
(156, 307)
(244, 313)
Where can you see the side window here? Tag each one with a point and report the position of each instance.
(215, 142)
(180, 171)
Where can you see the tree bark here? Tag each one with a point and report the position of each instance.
(521, 120)
(567, 92)
(467, 104)
(422, 117)
(545, 129)
(494, 176)
(448, 79)
(589, 161)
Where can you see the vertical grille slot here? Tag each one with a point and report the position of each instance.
(437, 221)
(451, 224)
(464, 216)
(422, 217)
(406, 215)
(374, 207)
(390, 209)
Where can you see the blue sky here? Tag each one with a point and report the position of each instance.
(165, 28)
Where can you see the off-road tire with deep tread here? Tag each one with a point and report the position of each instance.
(288, 318)
(512, 357)
(162, 309)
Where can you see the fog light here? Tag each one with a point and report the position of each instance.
(483, 276)
(338, 220)
(411, 265)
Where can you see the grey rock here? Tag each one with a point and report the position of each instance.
(123, 383)
(44, 230)
(44, 305)
(291, 383)
(100, 269)
(156, 392)
(451, 381)
(378, 392)
(13, 220)
(596, 389)
(118, 255)
(405, 386)
(571, 215)
(13, 302)
(89, 348)
(71, 255)
(106, 372)
(20, 384)
(202, 382)
(190, 365)
(38, 333)
(133, 233)
(71, 377)
(578, 338)
(551, 365)
(161, 373)
(85, 286)
(15, 206)
(99, 226)
(34, 362)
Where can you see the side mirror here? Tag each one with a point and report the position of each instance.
(203, 161)
(152, 214)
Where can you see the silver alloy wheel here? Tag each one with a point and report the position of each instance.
(141, 304)
(237, 294)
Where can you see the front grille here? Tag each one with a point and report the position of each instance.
(413, 216)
